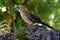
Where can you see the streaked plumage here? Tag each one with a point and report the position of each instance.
(29, 17)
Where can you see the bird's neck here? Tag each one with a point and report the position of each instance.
(23, 11)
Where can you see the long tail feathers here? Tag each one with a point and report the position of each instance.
(47, 25)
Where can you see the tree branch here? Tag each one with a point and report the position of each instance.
(25, 2)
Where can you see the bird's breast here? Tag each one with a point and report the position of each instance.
(25, 18)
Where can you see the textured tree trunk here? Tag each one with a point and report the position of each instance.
(8, 18)
(8, 22)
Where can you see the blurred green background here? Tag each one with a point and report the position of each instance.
(47, 10)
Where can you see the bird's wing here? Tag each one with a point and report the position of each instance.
(34, 18)
(37, 19)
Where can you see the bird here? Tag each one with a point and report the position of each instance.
(29, 17)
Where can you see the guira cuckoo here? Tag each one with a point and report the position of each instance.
(29, 17)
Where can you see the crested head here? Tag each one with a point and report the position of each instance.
(21, 8)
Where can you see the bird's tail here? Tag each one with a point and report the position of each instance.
(47, 25)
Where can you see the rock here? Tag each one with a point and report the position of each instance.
(40, 33)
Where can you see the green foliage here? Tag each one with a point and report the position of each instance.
(39, 7)
(42, 8)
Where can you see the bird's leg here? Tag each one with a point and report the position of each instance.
(30, 25)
